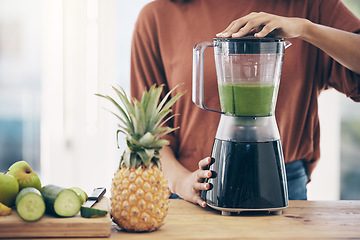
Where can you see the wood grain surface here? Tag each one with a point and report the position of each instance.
(13, 226)
(301, 220)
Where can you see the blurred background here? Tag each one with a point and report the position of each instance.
(56, 54)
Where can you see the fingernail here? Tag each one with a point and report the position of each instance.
(260, 34)
(226, 34)
(222, 34)
(208, 174)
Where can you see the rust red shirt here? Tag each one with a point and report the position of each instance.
(165, 34)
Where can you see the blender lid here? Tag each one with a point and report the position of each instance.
(250, 45)
(250, 38)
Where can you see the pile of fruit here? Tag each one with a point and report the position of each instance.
(20, 187)
(139, 191)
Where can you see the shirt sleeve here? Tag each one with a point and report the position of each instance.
(147, 67)
(335, 14)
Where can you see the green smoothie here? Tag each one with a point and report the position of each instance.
(247, 100)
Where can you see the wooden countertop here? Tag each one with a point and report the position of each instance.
(301, 220)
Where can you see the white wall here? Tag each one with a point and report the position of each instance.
(78, 138)
(86, 51)
(325, 184)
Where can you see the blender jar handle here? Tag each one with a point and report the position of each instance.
(198, 74)
(287, 44)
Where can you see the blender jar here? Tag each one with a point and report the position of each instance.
(248, 72)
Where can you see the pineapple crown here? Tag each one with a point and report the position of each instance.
(143, 124)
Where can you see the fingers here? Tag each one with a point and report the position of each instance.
(197, 188)
(204, 171)
(259, 23)
(202, 174)
(200, 201)
(190, 189)
(235, 26)
(201, 187)
(266, 30)
(253, 24)
(227, 29)
(205, 163)
(199, 184)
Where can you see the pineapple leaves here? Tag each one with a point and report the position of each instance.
(172, 101)
(150, 153)
(165, 130)
(117, 136)
(144, 157)
(140, 116)
(147, 139)
(124, 119)
(147, 98)
(153, 100)
(142, 122)
(161, 106)
(157, 120)
(125, 159)
(138, 126)
(134, 159)
(125, 101)
(133, 144)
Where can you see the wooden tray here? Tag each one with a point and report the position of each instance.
(12, 226)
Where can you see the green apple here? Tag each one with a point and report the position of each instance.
(9, 188)
(81, 194)
(25, 176)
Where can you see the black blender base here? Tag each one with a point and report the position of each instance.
(238, 211)
(250, 177)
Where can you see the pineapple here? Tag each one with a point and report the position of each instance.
(139, 191)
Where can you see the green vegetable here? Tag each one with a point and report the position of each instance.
(60, 201)
(87, 212)
(30, 205)
(81, 194)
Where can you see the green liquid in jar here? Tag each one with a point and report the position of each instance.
(247, 100)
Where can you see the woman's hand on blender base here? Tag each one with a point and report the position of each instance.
(262, 24)
(194, 183)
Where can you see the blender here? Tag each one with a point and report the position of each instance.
(249, 162)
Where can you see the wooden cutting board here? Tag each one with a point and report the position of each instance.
(12, 226)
